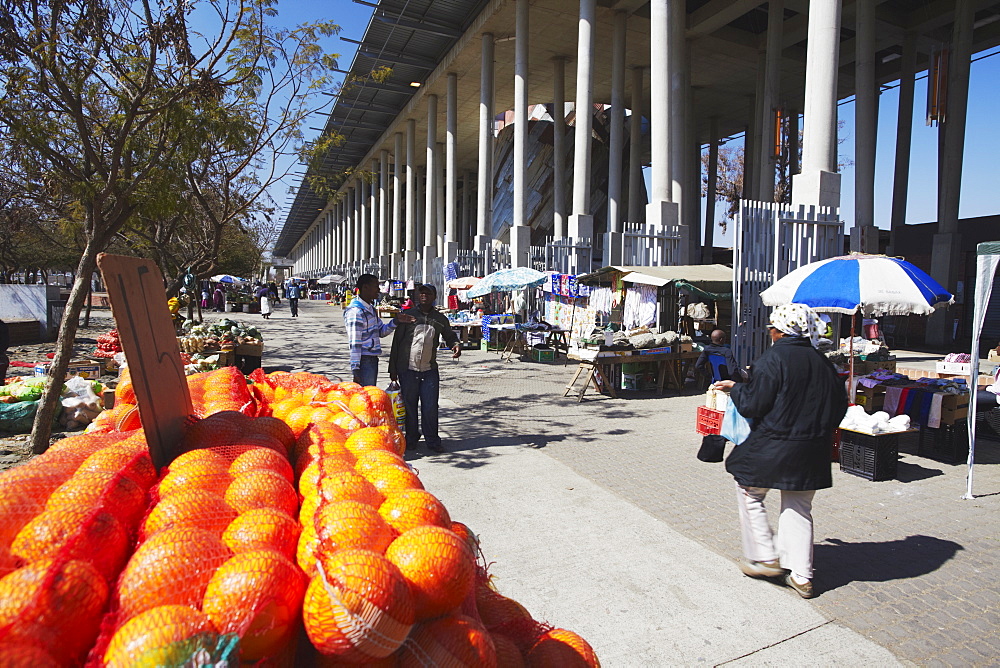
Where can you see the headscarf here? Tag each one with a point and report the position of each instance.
(798, 320)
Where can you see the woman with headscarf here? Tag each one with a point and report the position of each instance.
(264, 295)
(219, 298)
(794, 402)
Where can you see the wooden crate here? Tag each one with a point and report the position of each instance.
(872, 398)
(250, 349)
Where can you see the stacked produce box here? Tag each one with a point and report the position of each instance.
(288, 530)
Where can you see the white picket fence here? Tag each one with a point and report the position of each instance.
(770, 241)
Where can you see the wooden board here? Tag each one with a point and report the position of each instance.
(139, 305)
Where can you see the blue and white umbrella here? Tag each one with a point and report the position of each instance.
(226, 278)
(872, 285)
(507, 279)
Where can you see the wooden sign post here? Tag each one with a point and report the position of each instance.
(139, 306)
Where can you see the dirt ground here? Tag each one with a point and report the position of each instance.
(14, 448)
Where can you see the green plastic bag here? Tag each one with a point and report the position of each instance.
(17, 418)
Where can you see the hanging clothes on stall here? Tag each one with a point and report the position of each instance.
(640, 306)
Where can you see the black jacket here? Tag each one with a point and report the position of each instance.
(794, 401)
(399, 354)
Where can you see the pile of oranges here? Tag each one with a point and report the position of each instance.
(289, 508)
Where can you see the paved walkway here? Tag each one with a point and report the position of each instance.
(598, 518)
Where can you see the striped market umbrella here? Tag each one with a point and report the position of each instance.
(507, 279)
(231, 280)
(872, 285)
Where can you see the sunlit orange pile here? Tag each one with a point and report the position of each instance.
(290, 507)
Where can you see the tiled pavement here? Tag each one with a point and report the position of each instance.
(906, 563)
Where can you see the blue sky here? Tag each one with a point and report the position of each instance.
(979, 195)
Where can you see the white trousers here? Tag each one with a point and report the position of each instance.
(794, 544)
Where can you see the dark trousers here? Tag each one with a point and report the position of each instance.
(293, 305)
(369, 370)
(4, 364)
(422, 386)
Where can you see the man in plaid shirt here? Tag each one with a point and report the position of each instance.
(365, 328)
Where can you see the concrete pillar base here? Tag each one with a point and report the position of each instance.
(581, 226)
(520, 241)
(482, 243)
(395, 259)
(944, 263)
(864, 239)
(427, 265)
(613, 248)
(409, 260)
(818, 188)
(450, 253)
(661, 213)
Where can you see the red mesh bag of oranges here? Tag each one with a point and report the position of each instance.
(67, 522)
(214, 569)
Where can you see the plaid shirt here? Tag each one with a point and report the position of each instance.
(364, 329)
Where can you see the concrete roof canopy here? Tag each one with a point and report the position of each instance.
(424, 40)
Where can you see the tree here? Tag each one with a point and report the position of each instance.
(104, 99)
(729, 181)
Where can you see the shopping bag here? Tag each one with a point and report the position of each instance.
(397, 404)
(712, 448)
(735, 427)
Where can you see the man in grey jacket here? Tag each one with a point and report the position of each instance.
(413, 361)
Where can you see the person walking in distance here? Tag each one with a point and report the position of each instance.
(794, 401)
(413, 361)
(292, 295)
(365, 329)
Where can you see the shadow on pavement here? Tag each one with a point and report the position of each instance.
(908, 472)
(839, 563)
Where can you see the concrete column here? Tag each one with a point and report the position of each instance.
(350, 218)
(398, 233)
(519, 240)
(439, 193)
(679, 93)
(710, 194)
(581, 222)
(451, 236)
(616, 148)
(559, 147)
(661, 209)
(374, 221)
(484, 209)
(947, 242)
(385, 229)
(411, 188)
(864, 235)
(769, 100)
(819, 184)
(430, 195)
(904, 137)
(463, 236)
(636, 202)
(361, 221)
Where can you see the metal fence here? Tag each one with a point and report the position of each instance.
(646, 244)
(770, 241)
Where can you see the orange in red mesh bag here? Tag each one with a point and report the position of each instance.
(455, 640)
(224, 390)
(55, 605)
(258, 595)
(437, 564)
(358, 608)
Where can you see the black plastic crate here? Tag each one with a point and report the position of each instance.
(872, 457)
(948, 444)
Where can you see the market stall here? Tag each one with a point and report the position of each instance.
(631, 313)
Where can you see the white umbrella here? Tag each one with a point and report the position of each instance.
(331, 278)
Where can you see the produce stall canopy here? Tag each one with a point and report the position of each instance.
(660, 276)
